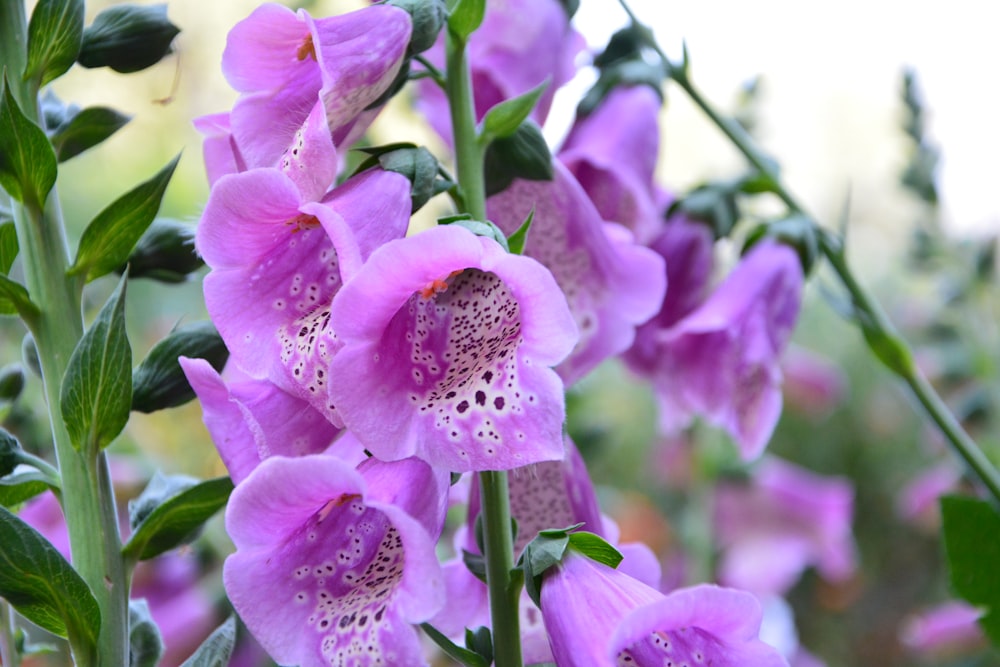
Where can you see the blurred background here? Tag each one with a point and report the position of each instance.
(822, 89)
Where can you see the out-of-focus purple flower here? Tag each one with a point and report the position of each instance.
(333, 564)
(284, 64)
(520, 44)
(687, 250)
(721, 360)
(279, 257)
(814, 385)
(250, 420)
(611, 283)
(784, 520)
(612, 153)
(918, 500)
(948, 629)
(599, 617)
(447, 346)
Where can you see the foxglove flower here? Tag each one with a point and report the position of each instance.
(222, 155)
(332, 563)
(611, 284)
(250, 420)
(721, 360)
(948, 629)
(785, 520)
(447, 343)
(520, 44)
(612, 153)
(284, 64)
(600, 617)
(280, 247)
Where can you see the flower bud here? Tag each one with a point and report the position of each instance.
(29, 355)
(165, 253)
(128, 38)
(428, 18)
(523, 154)
(11, 382)
(159, 382)
(10, 453)
(796, 231)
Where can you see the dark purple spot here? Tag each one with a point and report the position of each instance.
(462, 407)
(480, 398)
(498, 402)
(488, 376)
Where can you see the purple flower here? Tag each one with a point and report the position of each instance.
(612, 285)
(784, 521)
(222, 155)
(948, 629)
(612, 153)
(285, 64)
(520, 44)
(814, 384)
(599, 617)
(278, 258)
(721, 360)
(447, 343)
(250, 420)
(333, 564)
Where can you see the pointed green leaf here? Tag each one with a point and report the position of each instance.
(85, 130)
(159, 381)
(21, 486)
(504, 119)
(43, 587)
(14, 299)
(110, 237)
(8, 247)
(596, 548)
(54, 37)
(97, 390)
(215, 651)
(173, 521)
(972, 541)
(516, 241)
(27, 162)
(451, 649)
(466, 16)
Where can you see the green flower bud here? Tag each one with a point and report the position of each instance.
(159, 382)
(796, 231)
(29, 355)
(523, 154)
(128, 38)
(11, 382)
(428, 18)
(165, 253)
(10, 453)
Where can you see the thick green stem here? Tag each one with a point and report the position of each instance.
(8, 652)
(498, 539)
(89, 504)
(866, 305)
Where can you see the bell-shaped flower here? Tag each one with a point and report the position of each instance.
(721, 360)
(611, 284)
(284, 64)
(520, 44)
(250, 420)
(784, 520)
(946, 630)
(612, 153)
(222, 155)
(447, 343)
(280, 248)
(599, 617)
(333, 564)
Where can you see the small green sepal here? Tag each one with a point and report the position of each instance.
(466, 17)
(479, 228)
(517, 240)
(503, 119)
(128, 38)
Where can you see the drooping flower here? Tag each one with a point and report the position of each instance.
(250, 420)
(284, 64)
(785, 520)
(520, 44)
(612, 153)
(278, 257)
(333, 564)
(447, 343)
(611, 283)
(721, 360)
(948, 629)
(600, 617)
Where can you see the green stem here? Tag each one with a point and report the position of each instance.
(89, 504)
(863, 301)
(8, 651)
(498, 538)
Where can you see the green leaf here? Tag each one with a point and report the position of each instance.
(43, 587)
(596, 548)
(145, 644)
(85, 130)
(504, 118)
(110, 237)
(14, 299)
(541, 553)
(8, 247)
(159, 381)
(465, 17)
(27, 163)
(516, 241)
(128, 38)
(21, 486)
(480, 641)
(54, 37)
(972, 541)
(97, 388)
(523, 154)
(177, 518)
(453, 650)
(216, 649)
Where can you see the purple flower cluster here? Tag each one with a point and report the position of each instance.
(369, 362)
